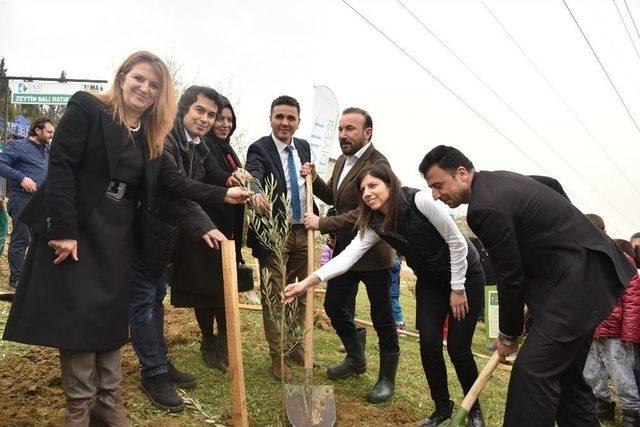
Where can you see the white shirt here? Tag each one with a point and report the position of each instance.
(350, 161)
(438, 215)
(300, 185)
(194, 141)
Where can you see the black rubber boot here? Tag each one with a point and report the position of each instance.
(475, 418)
(210, 354)
(160, 391)
(605, 410)
(354, 362)
(442, 413)
(179, 378)
(385, 386)
(630, 418)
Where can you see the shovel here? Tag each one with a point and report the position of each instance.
(308, 405)
(458, 419)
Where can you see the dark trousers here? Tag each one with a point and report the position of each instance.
(19, 237)
(206, 318)
(340, 300)
(146, 319)
(547, 385)
(432, 306)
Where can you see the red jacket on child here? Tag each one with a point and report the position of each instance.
(624, 320)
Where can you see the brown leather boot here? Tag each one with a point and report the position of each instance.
(277, 370)
(105, 415)
(77, 413)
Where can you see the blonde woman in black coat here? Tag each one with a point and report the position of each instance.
(73, 294)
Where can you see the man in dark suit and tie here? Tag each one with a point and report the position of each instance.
(355, 132)
(281, 156)
(549, 256)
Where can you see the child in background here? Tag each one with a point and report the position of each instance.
(395, 294)
(612, 354)
(327, 250)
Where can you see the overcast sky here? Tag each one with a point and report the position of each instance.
(256, 50)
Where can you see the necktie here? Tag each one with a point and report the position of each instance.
(293, 182)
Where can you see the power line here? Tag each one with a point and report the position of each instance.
(631, 16)
(561, 98)
(458, 97)
(513, 111)
(602, 66)
(624, 24)
(436, 78)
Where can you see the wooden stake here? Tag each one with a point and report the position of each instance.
(308, 318)
(234, 343)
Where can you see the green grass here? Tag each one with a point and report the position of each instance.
(264, 393)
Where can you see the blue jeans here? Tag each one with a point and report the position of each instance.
(146, 319)
(19, 237)
(395, 297)
(397, 310)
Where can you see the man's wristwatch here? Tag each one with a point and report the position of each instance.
(458, 291)
(507, 340)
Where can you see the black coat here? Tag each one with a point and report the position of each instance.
(192, 172)
(80, 305)
(230, 218)
(263, 160)
(187, 179)
(546, 254)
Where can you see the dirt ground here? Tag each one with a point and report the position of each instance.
(31, 394)
(30, 389)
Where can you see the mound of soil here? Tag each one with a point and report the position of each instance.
(30, 386)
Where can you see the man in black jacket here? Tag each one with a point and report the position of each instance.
(280, 156)
(546, 254)
(187, 172)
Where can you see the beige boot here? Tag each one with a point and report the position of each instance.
(77, 413)
(108, 415)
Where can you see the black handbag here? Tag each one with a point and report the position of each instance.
(245, 278)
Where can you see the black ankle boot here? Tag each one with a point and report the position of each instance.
(161, 393)
(605, 410)
(210, 354)
(385, 386)
(179, 378)
(355, 362)
(630, 418)
(475, 418)
(442, 413)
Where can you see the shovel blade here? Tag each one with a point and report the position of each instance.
(310, 406)
(457, 420)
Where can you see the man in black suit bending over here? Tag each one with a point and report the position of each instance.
(546, 254)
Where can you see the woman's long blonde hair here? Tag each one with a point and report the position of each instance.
(158, 119)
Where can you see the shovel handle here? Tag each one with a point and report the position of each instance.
(481, 381)
(308, 319)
